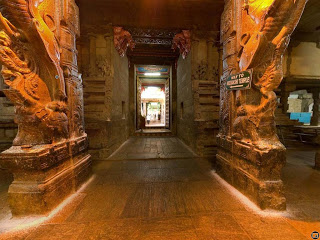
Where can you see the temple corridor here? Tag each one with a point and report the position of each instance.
(156, 188)
(159, 119)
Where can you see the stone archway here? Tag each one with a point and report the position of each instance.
(255, 36)
(39, 64)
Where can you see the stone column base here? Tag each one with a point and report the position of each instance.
(253, 172)
(45, 175)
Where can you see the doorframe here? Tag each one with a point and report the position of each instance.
(136, 100)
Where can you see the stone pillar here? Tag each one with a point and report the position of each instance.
(49, 158)
(250, 156)
(316, 103)
(210, 59)
(284, 99)
(109, 78)
(194, 52)
(109, 43)
(92, 53)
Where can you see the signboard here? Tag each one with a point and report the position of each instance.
(240, 81)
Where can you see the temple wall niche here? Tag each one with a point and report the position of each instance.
(198, 94)
(106, 93)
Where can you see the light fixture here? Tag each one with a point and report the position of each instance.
(153, 74)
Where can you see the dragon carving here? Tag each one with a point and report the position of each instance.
(266, 29)
(30, 59)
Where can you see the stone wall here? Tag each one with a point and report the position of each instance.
(185, 103)
(106, 93)
(304, 60)
(198, 95)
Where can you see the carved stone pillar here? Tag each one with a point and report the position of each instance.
(250, 155)
(315, 110)
(49, 159)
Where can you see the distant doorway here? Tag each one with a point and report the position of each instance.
(153, 97)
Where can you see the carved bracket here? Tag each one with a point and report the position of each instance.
(122, 41)
(183, 42)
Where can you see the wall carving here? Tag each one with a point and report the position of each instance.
(103, 67)
(266, 31)
(203, 72)
(182, 41)
(153, 36)
(122, 41)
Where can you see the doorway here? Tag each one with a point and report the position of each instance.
(153, 97)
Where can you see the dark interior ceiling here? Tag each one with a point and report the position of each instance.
(309, 25)
(153, 23)
(159, 14)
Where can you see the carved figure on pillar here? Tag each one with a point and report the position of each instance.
(49, 159)
(183, 42)
(122, 40)
(266, 30)
(30, 59)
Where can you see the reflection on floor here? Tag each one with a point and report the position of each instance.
(174, 196)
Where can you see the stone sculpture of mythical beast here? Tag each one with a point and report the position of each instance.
(30, 59)
(266, 29)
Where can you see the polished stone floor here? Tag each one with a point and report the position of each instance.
(155, 188)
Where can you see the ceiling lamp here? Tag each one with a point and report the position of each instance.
(153, 74)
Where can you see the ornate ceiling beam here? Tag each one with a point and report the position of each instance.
(153, 36)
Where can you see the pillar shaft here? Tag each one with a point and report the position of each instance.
(316, 113)
(92, 53)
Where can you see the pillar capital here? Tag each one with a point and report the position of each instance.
(92, 35)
